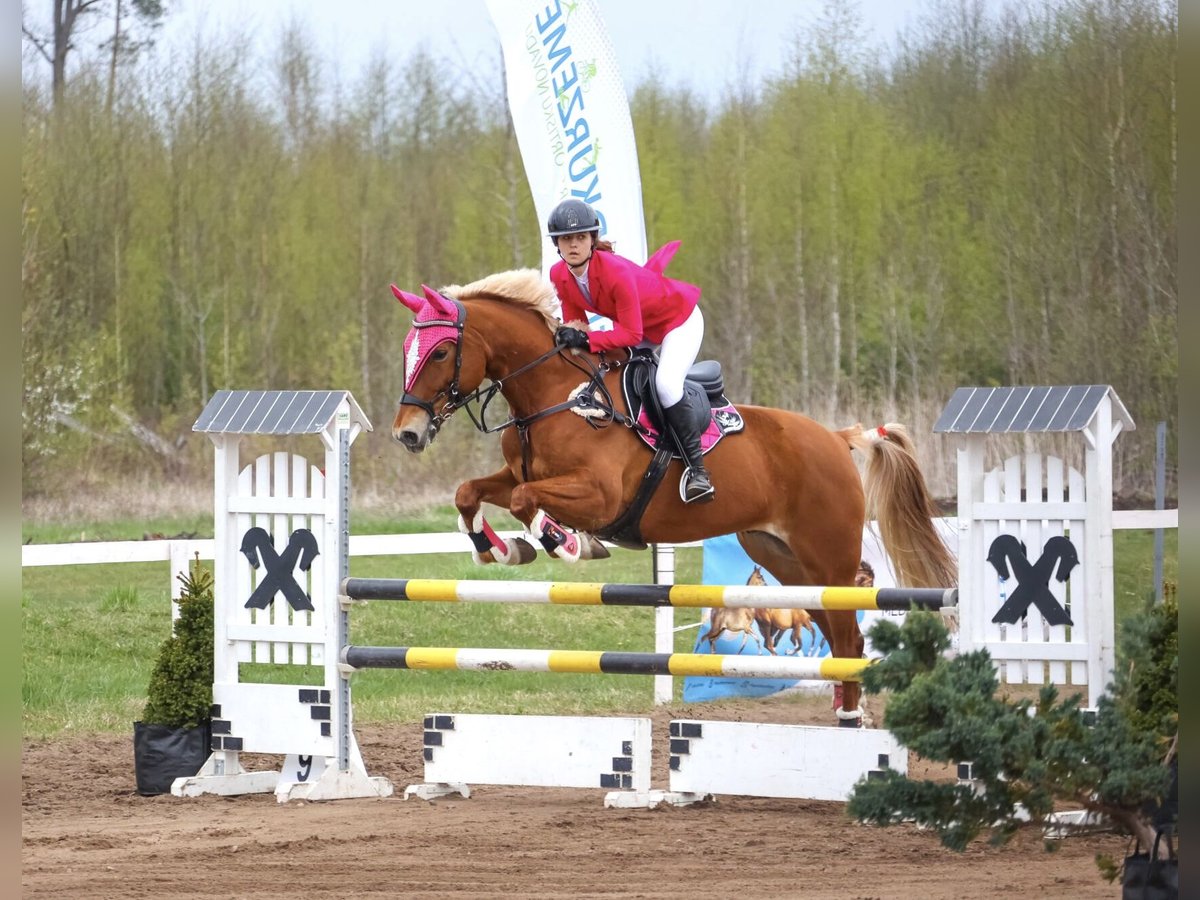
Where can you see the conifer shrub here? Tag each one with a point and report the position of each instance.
(1119, 763)
(180, 690)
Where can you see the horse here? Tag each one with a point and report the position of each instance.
(732, 619)
(786, 485)
(737, 618)
(772, 623)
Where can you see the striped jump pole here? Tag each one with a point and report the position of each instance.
(678, 595)
(600, 662)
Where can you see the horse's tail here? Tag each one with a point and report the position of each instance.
(898, 498)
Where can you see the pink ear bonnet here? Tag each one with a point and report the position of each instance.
(435, 323)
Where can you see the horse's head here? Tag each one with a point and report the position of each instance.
(514, 315)
(433, 364)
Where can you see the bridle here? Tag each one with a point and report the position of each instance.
(452, 392)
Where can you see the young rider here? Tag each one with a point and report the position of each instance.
(647, 309)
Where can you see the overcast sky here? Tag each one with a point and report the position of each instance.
(695, 43)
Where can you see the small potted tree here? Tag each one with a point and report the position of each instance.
(172, 739)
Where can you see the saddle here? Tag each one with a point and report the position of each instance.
(704, 394)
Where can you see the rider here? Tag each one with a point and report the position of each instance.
(646, 309)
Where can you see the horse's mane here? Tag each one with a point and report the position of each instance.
(525, 287)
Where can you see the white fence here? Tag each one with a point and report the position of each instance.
(179, 552)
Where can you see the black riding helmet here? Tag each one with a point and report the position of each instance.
(572, 216)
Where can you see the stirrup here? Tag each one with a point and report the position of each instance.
(689, 492)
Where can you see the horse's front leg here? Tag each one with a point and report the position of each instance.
(577, 498)
(489, 547)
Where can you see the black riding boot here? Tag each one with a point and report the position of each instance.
(696, 487)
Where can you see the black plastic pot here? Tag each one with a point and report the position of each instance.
(1153, 875)
(161, 754)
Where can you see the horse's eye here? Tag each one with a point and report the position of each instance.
(439, 355)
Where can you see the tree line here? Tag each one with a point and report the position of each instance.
(991, 201)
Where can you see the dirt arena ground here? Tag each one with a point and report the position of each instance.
(87, 834)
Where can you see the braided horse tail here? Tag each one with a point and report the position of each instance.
(899, 500)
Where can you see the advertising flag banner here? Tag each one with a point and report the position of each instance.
(571, 116)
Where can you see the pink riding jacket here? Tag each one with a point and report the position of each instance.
(643, 303)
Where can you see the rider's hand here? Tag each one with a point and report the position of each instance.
(566, 336)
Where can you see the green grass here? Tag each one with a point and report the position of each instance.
(200, 526)
(91, 633)
(1133, 567)
(87, 656)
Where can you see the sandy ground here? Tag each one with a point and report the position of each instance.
(87, 834)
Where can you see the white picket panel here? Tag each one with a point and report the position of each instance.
(1031, 651)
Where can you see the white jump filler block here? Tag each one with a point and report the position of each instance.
(795, 761)
(534, 751)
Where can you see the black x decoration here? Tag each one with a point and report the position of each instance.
(1033, 581)
(301, 546)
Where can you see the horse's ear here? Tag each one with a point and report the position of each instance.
(438, 302)
(412, 301)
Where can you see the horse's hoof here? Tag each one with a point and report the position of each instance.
(520, 552)
(852, 718)
(591, 547)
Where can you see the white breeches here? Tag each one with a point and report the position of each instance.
(676, 355)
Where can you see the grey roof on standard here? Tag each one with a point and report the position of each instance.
(1019, 410)
(275, 412)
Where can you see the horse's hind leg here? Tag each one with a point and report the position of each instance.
(840, 627)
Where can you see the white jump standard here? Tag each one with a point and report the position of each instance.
(282, 550)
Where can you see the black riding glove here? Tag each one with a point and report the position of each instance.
(566, 336)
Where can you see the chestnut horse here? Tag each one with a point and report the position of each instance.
(786, 485)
